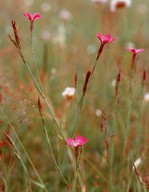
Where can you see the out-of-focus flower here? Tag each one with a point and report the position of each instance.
(137, 162)
(79, 141)
(98, 112)
(46, 35)
(45, 6)
(113, 82)
(65, 15)
(28, 2)
(130, 45)
(60, 38)
(32, 16)
(146, 97)
(91, 49)
(142, 8)
(135, 51)
(99, 1)
(105, 39)
(69, 92)
(118, 4)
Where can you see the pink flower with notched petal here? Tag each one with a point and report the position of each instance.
(135, 51)
(32, 16)
(105, 39)
(79, 141)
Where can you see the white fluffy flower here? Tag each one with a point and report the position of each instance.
(69, 92)
(116, 4)
(146, 97)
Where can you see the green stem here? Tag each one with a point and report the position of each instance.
(42, 94)
(29, 159)
(35, 64)
(98, 172)
(51, 150)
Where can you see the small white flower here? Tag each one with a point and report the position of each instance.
(46, 35)
(45, 6)
(98, 112)
(91, 49)
(137, 162)
(113, 82)
(69, 92)
(130, 45)
(65, 15)
(60, 39)
(146, 97)
(116, 4)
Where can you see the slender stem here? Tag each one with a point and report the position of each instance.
(35, 63)
(29, 159)
(51, 150)
(76, 116)
(42, 94)
(23, 165)
(97, 171)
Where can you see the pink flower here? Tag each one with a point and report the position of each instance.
(32, 16)
(105, 39)
(79, 141)
(135, 51)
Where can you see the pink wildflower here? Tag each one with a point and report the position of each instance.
(79, 141)
(104, 40)
(32, 16)
(135, 51)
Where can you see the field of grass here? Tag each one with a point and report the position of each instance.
(109, 107)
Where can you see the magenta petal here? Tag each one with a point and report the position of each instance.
(139, 51)
(135, 51)
(28, 16)
(85, 140)
(105, 39)
(99, 36)
(108, 38)
(36, 16)
(80, 140)
(70, 142)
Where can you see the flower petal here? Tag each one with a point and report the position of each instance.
(70, 142)
(36, 16)
(28, 15)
